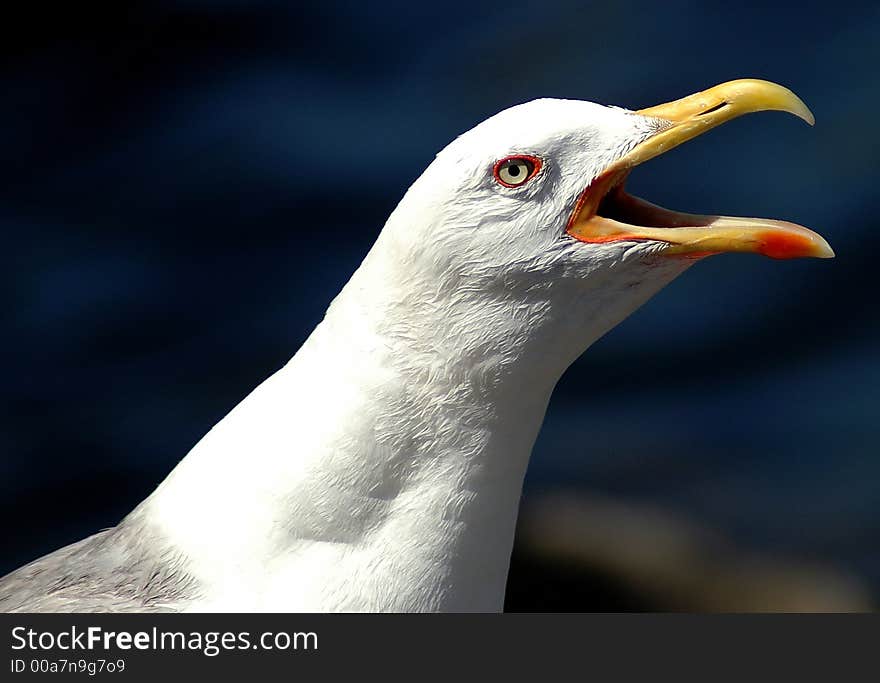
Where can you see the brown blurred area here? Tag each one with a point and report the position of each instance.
(577, 552)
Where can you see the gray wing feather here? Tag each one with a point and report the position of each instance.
(123, 569)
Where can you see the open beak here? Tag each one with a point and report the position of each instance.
(606, 213)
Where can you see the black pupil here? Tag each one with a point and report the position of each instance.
(514, 170)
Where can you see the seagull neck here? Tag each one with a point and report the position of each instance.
(450, 404)
(391, 448)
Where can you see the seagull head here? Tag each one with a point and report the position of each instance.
(530, 207)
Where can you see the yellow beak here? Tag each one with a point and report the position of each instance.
(605, 213)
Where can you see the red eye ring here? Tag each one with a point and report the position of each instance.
(503, 167)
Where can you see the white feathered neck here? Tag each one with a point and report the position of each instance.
(381, 469)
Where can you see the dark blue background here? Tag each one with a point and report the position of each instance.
(186, 185)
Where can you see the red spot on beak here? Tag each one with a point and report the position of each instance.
(785, 245)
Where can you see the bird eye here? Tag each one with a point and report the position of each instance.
(516, 170)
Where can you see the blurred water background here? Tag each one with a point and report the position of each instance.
(186, 185)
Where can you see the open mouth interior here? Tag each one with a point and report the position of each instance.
(605, 212)
(621, 207)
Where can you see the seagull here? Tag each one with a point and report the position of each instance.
(381, 468)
